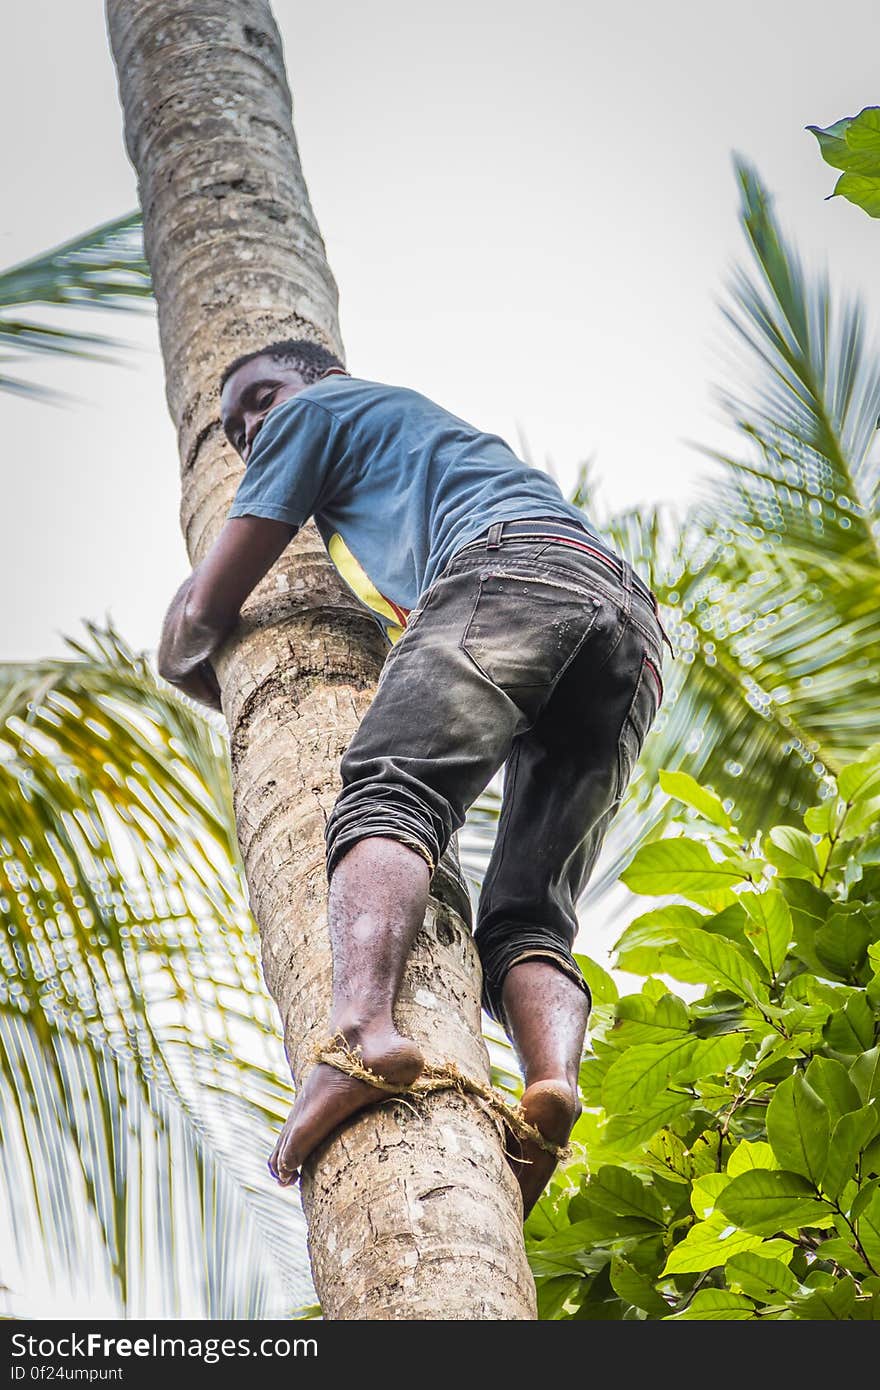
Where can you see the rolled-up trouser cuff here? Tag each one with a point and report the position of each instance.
(344, 843)
(501, 951)
(385, 810)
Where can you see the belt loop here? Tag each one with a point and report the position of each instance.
(626, 578)
(493, 540)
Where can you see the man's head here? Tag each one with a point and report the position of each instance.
(255, 383)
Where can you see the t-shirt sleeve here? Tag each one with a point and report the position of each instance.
(288, 469)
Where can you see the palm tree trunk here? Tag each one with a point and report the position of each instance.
(412, 1211)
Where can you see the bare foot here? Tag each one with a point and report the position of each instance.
(329, 1096)
(552, 1107)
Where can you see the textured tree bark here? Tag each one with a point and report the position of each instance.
(412, 1210)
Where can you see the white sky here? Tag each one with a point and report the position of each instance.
(529, 209)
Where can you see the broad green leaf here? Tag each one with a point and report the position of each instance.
(644, 1020)
(867, 1309)
(806, 898)
(721, 962)
(641, 1072)
(676, 866)
(632, 1286)
(568, 1251)
(713, 1056)
(764, 1202)
(863, 1198)
(715, 1305)
(852, 143)
(860, 189)
(844, 1253)
(722, 1011)
(705, 1152)
(798, 1128)
(591, 1077)
(860, 781)
(750, 1154)
(594, 1308)
(807, 989)
(861, 818)
(658, 927)
(708, 1244)
(792, 852)
(705, 1192)
(601, 986)
(646, 1253)
(824, 818)
(554, 1294)
(797, 1017)
(776, 1055)
(769, 1281)
(831, 1082)
(673, 962)
(640, 947)
(627, 1132)
(865, 1074)
(716, 899)
(843, 941)
(832, 142)
(728, 923)
(829, 1303)
(868, 1227)
(670, 1154)
(654, 989)
(687, 789)
(621, 1192)
(850, 1029)
(771, 927)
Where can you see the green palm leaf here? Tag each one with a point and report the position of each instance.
(770, 585)
(777, 610)
(104, 268)
(140, 1067)
(812, 415)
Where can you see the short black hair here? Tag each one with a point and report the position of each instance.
(310, 359)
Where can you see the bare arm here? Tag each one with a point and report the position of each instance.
(205, 608)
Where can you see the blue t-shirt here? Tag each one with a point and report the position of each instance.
(396, 485)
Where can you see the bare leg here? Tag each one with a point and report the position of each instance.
(378, 898)
(547, 1014)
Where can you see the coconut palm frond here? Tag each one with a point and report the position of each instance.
(781, 599)
(809, 417)
(116, 1188)
(135, 1030)
(104, 268)
(770, 584)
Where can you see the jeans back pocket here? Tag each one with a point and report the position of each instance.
(524, 631)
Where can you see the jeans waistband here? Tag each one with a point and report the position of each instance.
(570, 533)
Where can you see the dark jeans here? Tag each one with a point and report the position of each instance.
(529, 652)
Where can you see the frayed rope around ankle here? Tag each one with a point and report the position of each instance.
(336, 1052)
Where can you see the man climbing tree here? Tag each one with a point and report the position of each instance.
(517, 638)
(237, 260)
